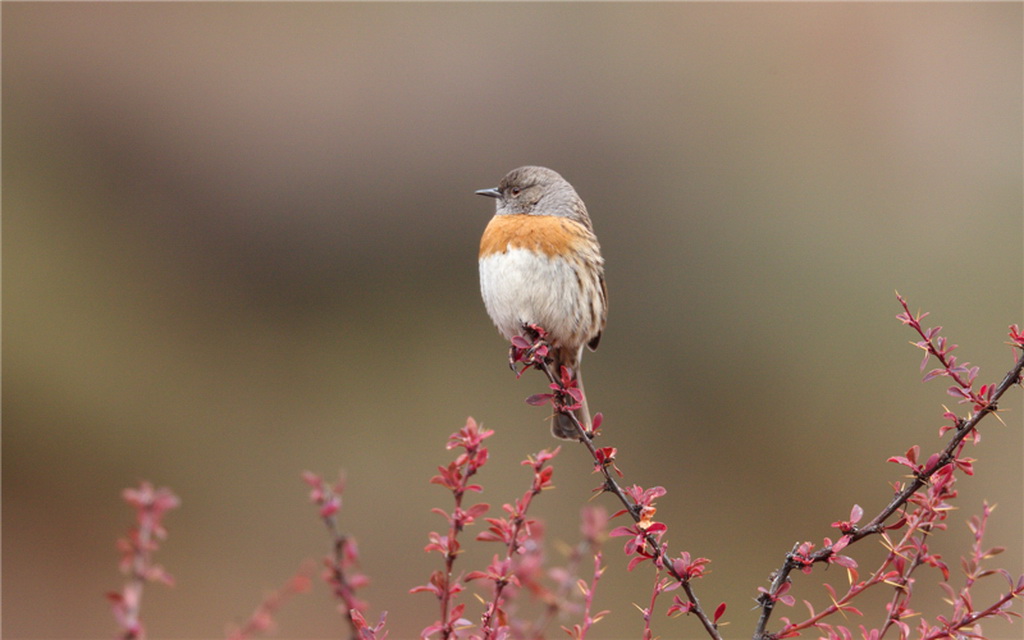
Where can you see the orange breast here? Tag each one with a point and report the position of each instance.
(551, 235)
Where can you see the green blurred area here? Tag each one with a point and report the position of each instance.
(239, 242)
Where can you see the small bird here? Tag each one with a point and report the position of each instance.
(540, 264)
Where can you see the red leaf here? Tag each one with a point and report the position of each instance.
(635, 561)
(901, 460)
(539, 399)
(718, 613)
(520, 342)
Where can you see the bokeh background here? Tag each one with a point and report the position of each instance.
(239, 242)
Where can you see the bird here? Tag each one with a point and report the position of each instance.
(541, 265)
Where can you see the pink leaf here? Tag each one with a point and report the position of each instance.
(856, 514)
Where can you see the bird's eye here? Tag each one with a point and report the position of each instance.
(515, 191)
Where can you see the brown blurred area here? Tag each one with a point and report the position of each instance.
(239, 241)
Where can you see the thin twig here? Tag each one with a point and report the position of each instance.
(612, 486)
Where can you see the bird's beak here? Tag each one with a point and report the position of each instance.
(490, 193)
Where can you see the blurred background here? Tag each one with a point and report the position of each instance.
(240, 242)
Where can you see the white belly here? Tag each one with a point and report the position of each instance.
(523, 287)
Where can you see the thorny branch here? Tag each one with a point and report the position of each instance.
(534, 357)
(985, 402)
(963, 428)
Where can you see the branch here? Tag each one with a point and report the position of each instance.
(567, 397)
(985, 402)
(513, 532)
(341, 566)
(262, 619)
(137, 550)
(455, 477)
